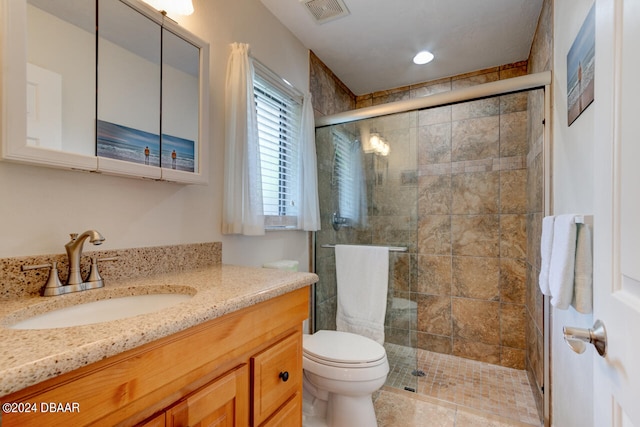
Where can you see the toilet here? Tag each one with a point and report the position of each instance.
(341, 372)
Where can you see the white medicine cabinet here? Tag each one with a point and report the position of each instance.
(109, 86)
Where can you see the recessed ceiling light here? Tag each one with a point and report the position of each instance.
(423, 57)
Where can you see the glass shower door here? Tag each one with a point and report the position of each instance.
(368, 189)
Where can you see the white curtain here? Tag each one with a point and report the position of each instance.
(309, 209)
(242, 210)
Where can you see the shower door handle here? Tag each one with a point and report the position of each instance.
(577, 337)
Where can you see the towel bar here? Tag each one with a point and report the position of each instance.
(584, 219)
(391, 248)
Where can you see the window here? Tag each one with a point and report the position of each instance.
(348, 181)
(279, 114)
(344, 175)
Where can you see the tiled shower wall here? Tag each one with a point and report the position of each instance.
(456, 198)
(329, 94)
(539, 60)
(471, 250)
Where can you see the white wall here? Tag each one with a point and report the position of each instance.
(40, 206)
(573, 188)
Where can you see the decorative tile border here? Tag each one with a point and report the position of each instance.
(468, 166)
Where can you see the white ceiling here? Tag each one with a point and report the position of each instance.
(372, 48)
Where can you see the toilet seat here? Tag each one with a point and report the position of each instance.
(343, 349)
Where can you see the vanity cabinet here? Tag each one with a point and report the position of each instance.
(244, 368)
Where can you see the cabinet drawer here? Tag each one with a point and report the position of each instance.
(290, 415)
(277, 376)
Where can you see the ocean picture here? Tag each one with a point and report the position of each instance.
(178, 153)
(581, 67)
(128, 144)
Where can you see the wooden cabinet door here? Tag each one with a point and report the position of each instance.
(277, 376)
(224, 402)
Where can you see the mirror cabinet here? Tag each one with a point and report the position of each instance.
(110, 86)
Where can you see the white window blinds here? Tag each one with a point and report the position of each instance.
(348, 180)
(278, 128)
(344, 179)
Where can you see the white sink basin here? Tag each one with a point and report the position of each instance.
(101, 311)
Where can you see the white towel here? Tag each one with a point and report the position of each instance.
(583, 280)
(546, 243)
(362, 274)
(563, 256)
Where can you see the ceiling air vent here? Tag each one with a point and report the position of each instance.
(326, 10)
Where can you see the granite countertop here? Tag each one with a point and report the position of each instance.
(28, 357)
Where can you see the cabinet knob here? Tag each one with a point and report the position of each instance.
(284, 376)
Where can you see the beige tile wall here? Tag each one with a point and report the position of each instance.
(329, 94)
(463, 218)
(450, 162)
(472, 244)
(539, 60)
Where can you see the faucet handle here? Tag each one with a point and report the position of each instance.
(35, 267)
(73, 236)
(94, 275)
(95, 280)
(53, 285)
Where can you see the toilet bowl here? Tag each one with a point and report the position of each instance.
(341, 372)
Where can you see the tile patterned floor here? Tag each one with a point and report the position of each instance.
(469, 388)
(398, 408)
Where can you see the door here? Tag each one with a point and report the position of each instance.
(617, 212)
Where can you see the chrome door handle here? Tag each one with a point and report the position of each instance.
(577, 337)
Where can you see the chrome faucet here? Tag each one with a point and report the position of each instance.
(74, 253)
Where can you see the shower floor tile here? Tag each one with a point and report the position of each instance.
(491, 389)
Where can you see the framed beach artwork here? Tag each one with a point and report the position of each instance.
(580, 68)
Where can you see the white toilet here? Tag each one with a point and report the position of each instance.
(341, 372)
